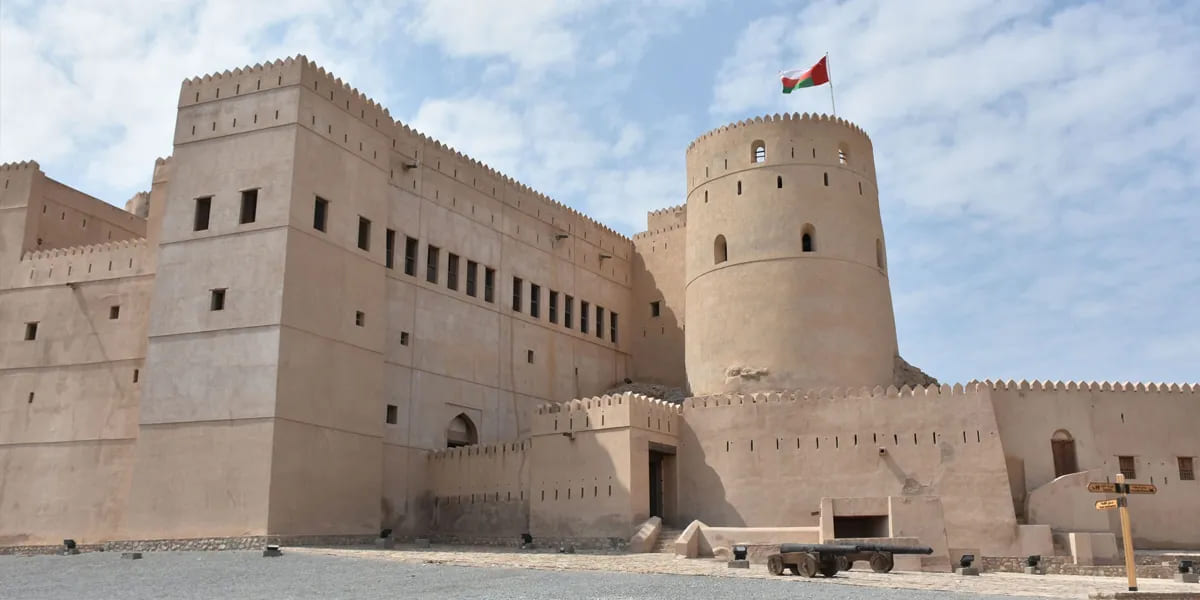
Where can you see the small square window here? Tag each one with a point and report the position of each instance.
(391, 414)
(249, 207)
(114, 311)
(217, 299)
(656, 308)
(31, 331)
(360, 318)
(1187, 471)
(403, 338)
(1128, 467)
(529, 356)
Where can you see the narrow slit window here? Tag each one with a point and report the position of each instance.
(612, 328)
(826, 176)
(452, 271)
(472, 282)
(568, 309)
(779, 181)
(410, 256)
(249, 207)
(320, 213)
(535, 300)
(583, 316)
(529, 356)
(739, 188)
(554, 307)
(389, 243)
(517, 284)
(432, 256)
(489, 284)
(599, 321)
(200, 218)
(360, 318)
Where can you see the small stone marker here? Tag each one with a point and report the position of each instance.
(739, 564)
(969, 571)
(272, 551)
(385, 543)
(131, 555)
(1033, 571)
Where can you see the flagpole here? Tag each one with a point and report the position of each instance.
(831, 102)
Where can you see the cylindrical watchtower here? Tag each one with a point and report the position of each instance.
(786, 271)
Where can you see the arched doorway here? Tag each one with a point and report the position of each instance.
(1063, 447)
(461, 432)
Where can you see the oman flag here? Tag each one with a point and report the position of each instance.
(796, 79)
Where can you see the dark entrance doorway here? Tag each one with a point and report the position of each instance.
(1063, 447)
(656, 483)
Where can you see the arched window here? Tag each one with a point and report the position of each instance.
(758, 152)
(461, 432)
(880, 259)
(779, 181)
(720, 250)
(843, 153)
(808, 238)
(1063, 447)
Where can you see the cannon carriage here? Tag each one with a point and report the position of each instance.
(828, 559)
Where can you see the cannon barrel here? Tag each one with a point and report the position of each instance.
(894, 549)
(833, 548)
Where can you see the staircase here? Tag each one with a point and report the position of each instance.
(666, 540)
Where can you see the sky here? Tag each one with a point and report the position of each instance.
(1038, 162)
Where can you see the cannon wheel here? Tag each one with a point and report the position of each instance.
(882, 562)
(844, 563)
(807, 565)
(775, 564)
(829, 565)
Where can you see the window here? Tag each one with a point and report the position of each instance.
(472, 274)
(200, 220)
(114, 312)
(535, 300)
(553, 306)
(410, 256)
(826, 179)
(612, 327)
(1062, 447)
(779, 181)
(568, 307)
(529, 356)
(364, 233)
(31, 331)
(249, 206)
(720, 252)
(1128, 468)
(360, 318)
(1186, 469)
(391, 414)
(461, 432)
(403, 338)
(320, 212)
(452, 271)
(216, 299)
(583, 316)
(389, 242)
(516, 293)
(599, 321)
(808, 238)
(758, 152)
(880, 259)
(739, 188)
(431, 264)
(843, 154)
(656, 308)
(489, 284)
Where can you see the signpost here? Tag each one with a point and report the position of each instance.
(1122, 503)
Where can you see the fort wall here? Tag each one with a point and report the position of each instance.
(749, 460)
(659, 299)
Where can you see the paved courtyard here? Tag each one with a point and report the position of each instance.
(457, 573)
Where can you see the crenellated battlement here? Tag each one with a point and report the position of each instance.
(503, 449)
(653, 232)
(607, 412)
(858, 393)
(667, 218)
(20, 165)
(81, 250)
(777, 118)
(1089, 386)
(76, 264)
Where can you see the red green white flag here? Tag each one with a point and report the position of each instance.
(796, 79)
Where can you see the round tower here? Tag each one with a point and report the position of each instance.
(786, 269)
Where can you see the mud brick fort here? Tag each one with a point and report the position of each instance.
(319, 323)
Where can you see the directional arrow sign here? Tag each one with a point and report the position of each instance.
(1099, 487)
(1107, 504)
(1142, 488)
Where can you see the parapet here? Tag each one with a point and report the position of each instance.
(1090, 386)
(20, 166)
(859, 393)
(73, 264)
(777, 118)
(479, 450)
(667, 218)
(607, 412)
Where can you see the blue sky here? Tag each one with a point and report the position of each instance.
(1039, 162)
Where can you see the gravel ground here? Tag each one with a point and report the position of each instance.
(305, 574)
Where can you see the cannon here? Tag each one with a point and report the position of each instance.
(828, 559)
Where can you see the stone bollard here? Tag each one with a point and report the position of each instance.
(738, 564)
(131, 555)
(385, 543)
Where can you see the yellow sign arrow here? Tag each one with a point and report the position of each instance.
(1099, 487)
(1142, 488)
(1107, 504)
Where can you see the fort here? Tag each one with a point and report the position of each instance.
(319, 323)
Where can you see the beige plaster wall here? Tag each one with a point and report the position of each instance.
(658, 342)
(955, 455)
(1155, 424)
(836, 327)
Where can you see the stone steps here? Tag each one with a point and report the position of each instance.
(666, 541)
